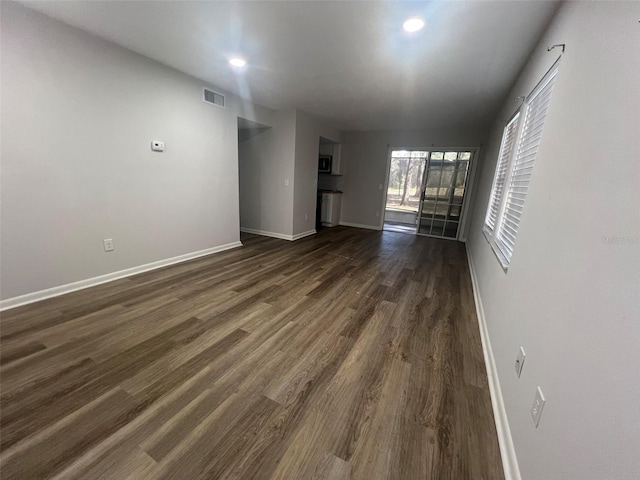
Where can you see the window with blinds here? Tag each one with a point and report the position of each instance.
(520, 142)
(506, 150)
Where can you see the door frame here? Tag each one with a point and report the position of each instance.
(468, 191)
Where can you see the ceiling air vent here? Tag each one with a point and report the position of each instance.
(213, 97)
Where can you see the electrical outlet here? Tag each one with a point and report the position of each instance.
(520, 361)
(538, 405)
(108, 244)
(306, 216)
(377, 213)
(286, 182)
(379, 186)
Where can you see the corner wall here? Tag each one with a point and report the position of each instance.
(78, 117)
(365, 156)
(308, 133)
(571, 296)
(279, 171)
(265, 161)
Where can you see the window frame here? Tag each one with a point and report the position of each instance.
(492, 235)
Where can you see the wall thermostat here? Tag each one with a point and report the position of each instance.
(157, 146)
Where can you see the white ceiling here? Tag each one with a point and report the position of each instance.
(345, 61)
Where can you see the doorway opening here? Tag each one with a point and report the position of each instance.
(426, 192)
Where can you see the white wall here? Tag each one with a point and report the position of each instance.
(78, 116)
(286, 152)
(266, 160)
(308, 133)
(365, 156)
(571, 296)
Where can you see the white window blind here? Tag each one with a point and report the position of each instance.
(522, 164)
(497, 190)
(518, 150)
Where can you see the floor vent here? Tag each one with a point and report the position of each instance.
(213, 97)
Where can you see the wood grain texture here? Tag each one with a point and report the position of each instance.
(351, 354)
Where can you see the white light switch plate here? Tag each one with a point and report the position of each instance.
(538, 405)
(520, 361)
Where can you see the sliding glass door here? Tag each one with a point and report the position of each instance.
(406, 177)
(443, 189)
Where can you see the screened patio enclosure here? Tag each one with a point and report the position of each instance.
(426, 190)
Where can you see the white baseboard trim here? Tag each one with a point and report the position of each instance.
(507, 449)
(265, 233)
(282, 236)
(308, 233)
(109, 277)
(360, 225)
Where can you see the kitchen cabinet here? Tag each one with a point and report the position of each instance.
(330, 210)
(336, 161)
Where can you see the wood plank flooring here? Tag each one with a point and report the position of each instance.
(352, 354)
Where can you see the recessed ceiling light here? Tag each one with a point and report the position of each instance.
(413, 24)
(237, 62)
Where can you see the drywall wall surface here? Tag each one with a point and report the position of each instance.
(308, 133)
(365, 156)
(266, 166)
(78, 118)
(571, 295)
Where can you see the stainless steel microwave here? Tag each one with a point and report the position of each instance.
(324, 164)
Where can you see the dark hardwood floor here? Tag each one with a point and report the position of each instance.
(349, 354)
